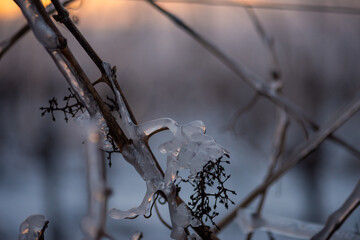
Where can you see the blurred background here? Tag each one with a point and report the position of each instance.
(165, 73)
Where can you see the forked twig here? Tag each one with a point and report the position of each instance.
(337, 218)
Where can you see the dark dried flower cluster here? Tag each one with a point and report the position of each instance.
(213, 174)
(72, 106)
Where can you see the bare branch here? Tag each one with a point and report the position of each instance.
(337, 218)
(308, 147)
(253, 81)
(268, 41)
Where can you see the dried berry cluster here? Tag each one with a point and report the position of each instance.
(213, 174)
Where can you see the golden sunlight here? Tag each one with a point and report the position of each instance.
(9, 10)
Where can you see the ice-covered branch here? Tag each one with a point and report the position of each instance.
(250, 221)
(94, 222)
(251, 79)
(337, 218)
(33, 228)
(189, 149)
(106, 70)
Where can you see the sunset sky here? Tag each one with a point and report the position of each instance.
(9, 10)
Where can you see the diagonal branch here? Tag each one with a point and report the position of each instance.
(337, 218)
(253, 81)
(306, 149)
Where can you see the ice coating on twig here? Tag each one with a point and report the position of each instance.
(190, 148)
(142, 209)
(94, 222)
(33, 228)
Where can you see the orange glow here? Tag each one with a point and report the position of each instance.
(9, 10)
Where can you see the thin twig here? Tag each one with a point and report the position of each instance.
(308, 147)
(251, 79)
(268, 41)
(337, 218)
(160, 217)
(241, 111)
